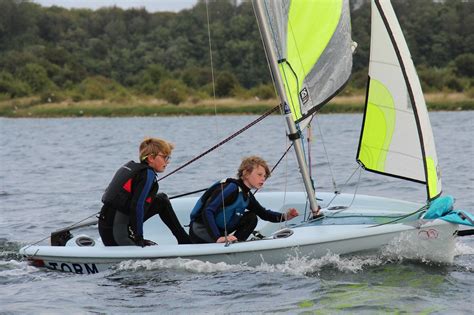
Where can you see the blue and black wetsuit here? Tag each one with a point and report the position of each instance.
(130, 199)
(209, 221)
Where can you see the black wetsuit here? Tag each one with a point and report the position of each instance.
(130, 199)
(205, 229)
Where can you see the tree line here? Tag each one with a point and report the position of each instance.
(83, 54)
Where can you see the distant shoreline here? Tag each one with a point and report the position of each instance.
(150, 107)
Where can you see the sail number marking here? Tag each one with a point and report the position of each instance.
(73, 267)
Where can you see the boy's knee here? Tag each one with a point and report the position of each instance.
(162, 201)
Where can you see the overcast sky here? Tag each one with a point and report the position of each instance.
(149, 5)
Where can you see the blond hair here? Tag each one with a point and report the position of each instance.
(249, 163)
(153, 147)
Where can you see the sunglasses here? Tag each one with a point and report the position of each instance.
(166, 158)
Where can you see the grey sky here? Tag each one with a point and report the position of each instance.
(149, 5)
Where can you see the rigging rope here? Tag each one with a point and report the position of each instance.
(423, 208)
(224, 141)
(215, 110)
(334, 185)
(210, 55)
(355, 191)
(70, 227)
(271, 171)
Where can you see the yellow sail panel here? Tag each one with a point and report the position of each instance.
(311, 25)
(380, 125)
(433, 179)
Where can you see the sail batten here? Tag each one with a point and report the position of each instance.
(396, 137)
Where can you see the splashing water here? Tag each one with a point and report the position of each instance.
(294, 265)
(189, 265)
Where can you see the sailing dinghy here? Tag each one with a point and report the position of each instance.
(309, 49)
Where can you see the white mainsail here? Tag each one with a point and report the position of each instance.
(396, 137)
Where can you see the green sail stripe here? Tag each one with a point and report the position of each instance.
(379, 126)
(311, 25)
(432, 177)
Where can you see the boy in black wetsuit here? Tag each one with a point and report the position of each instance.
(131, 198)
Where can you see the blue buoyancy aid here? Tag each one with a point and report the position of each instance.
(232, 213)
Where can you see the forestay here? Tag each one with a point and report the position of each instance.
(396, 137)
(312, 41)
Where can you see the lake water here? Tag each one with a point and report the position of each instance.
(53, 173)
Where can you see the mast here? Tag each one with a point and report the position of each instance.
(293, 135)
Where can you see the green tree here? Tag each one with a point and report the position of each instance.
(196, 77)
(464, 65)
(12, 86)
(125, 45)
(264, 91)
(151, 77)
(98, 87)
(173, 91)
(225, 84)
(36, 77)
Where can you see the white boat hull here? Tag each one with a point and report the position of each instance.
(432, 240)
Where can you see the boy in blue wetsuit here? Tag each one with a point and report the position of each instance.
(209, 220)
(131, 198)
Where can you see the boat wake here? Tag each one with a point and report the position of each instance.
(295, 265)
(405, 247)
(463, 248)
(12, 270)
(308, 267)
(189, 265)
